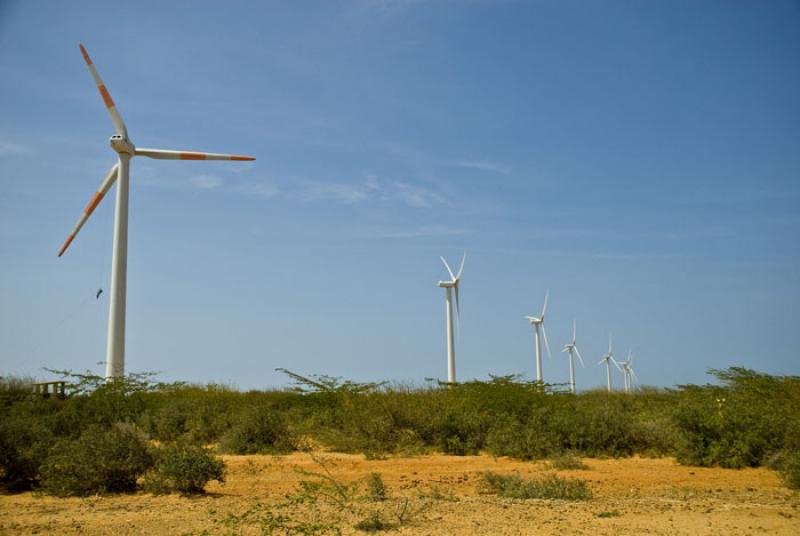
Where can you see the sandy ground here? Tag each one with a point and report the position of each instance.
(429, 495)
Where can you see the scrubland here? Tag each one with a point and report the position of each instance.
(330, 456)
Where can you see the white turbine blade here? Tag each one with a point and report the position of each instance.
(629, 361)
(162, 154)
(574, 331)
(602, 361)
(633, 375)
(93, 202)
(578, 353)
(544, 308)
(546, 344)
(616, 364)
(609, 343)
(461, 268)
(449, 271)
(119, 124)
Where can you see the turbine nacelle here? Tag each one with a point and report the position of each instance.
(122, 144)
(447, 284)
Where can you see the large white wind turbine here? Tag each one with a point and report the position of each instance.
(628, 373)
(449, 286)
(572, 348)
(608, 359)
(115, 350)
(538, 326)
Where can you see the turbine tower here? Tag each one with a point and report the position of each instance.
(115, 349)
(629, 374)
(538, 326)
(449, 286)
(572, 348)
(608, 359)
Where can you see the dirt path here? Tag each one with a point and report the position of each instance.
(431, 495)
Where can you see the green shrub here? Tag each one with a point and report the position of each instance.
(739, 424)
(373, 523)
(101, 460)
(24, 444)
(376, 489)
(550, 487)
(259, 430)
(184, 468)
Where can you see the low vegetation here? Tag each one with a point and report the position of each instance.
(550, 487)
(743, 419)
(183, 468)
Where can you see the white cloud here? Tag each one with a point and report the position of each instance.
(384, 8)
(334, 191)
(416, 196)
(483, 165)
(416, 232)
(8, 148)
(257, 189)
(205, 182)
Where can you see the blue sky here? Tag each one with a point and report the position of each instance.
(639, 159)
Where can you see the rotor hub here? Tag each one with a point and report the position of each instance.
(121, 144)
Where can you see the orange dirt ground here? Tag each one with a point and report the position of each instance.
(432, 495)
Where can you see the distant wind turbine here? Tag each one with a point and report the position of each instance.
(538, 326)
(572, 348)
(115, 349)
(449, 286)
(627, 371)
(608, 359)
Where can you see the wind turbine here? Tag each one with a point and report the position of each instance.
(115, 349)
(572, 348)
(627, 371)
(538, 326)
(450, 286)
(608, 359)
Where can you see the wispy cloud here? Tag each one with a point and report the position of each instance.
(257, 189)
(205, 182)
(334, 191)
(417, 196)
(483, 165)
(372, 188)
(423, 231)
(8, 148)
(384, 8)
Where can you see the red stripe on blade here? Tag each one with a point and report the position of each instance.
(106, 96)
(66, 245)
(93, 202)
(242, 158)
(193, 156)
(85, 55)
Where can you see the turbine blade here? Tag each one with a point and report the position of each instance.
(601, 361)
(546, 344)
(461, 268)
(574, 331)
(578, 353)
(546, 294)
(119, 124)
(609, 343)
(162, 154)
(616, 364)
(449, 271)
(93, 202)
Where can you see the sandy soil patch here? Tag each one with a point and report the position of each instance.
(432, 495)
